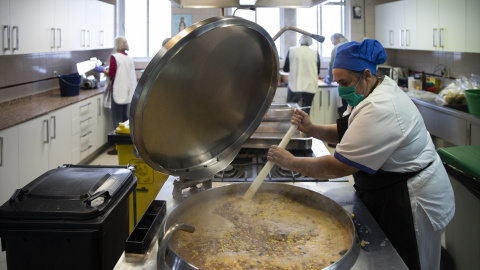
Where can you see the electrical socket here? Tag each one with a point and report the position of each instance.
(54, 73)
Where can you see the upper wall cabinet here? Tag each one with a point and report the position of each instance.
(91, 25)
(472, 29)
(53, 23)
(20, 33)
(398, 25)
(436, 25)
(33, 26)
(441, 25)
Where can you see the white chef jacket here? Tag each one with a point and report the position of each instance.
(386, 131)
(303, 76)
(125, 79)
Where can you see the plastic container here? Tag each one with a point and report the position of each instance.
(473, 101)
(462, 234)
(72, 217)
(70, 85)
(141, 237)
(149, 181)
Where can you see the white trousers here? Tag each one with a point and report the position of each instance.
(429, 241)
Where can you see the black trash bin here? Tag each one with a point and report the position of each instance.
(72, 217)
(462, 234)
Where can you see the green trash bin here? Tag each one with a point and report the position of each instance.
(462, 235)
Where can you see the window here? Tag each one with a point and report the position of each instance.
(268, 18)
(325, 20)
(147, 24)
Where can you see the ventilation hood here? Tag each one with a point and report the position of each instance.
(246, 3)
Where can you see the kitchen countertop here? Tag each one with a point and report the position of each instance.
(23, 109)
(457, 113)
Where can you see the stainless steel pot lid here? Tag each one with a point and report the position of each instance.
(203, 94)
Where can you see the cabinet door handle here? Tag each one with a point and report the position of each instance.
(407, 38)
(1, 151)
(15, 28)
(434, 37)
(47, 135)
(7, 28)
(102, 37)
(401, 37)
(86, 133)
(86, 119)
(84, 35)
(390, 37)
(52, 40)
(328, 98)
(442, 32)
(86, 105)
(59, 31)
(54, 127)
(89, 37)
(320, 98)
(99, 107)
(83, 150)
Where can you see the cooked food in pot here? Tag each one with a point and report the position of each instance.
(269, 232)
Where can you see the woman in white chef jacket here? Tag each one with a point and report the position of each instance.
(383, 142)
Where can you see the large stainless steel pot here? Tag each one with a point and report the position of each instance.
(167, 258)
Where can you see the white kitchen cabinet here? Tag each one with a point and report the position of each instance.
(83, 128)
(384, 25)
(32, 26)
(472, 29)
(324, 106)
(42, 144)
(8, 163)
(78, 34)
(107, 25)
(91, 24)
(23, 26)
(53, 25)
(102, 123)
(396, 24)
(5, 24)
(441, 25)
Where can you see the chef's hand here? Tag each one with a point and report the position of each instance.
(302, 120)
(280, 156)
(99, 69)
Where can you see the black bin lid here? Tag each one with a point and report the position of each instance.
(69, 192)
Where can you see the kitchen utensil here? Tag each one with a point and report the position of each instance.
(191, 112)
(196, 204)
(266, 169)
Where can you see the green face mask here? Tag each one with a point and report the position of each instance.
(349, 93)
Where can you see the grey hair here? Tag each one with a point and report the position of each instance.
(337, 36)
(305, 40)
(165, 41)
(121, 44)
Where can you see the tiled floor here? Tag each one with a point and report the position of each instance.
(105, 159)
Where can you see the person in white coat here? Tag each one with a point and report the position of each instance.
(122, 82)
(303, 65)
(383, 142)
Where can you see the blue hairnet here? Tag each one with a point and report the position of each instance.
(358, 56)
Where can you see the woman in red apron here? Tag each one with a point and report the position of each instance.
(383, 142)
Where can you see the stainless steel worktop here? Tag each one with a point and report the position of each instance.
(457, 113)
(376, 252)
(454, 126)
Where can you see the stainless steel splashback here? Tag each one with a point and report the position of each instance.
(236, 3)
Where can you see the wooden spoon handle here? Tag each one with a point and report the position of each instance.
(268, 166)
